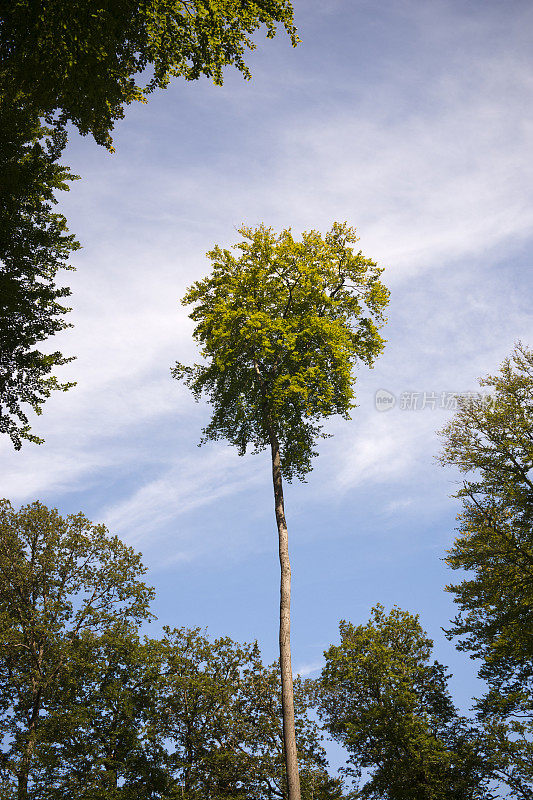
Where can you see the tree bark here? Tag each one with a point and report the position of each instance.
(287, 693)
(24, 772)
(22, 790)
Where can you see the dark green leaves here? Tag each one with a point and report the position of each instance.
(34, 245)
(223, 717)
(490, 440)
(82, 62)
(383, 698)
(63, 582)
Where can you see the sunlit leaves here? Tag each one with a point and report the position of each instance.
(281, 325)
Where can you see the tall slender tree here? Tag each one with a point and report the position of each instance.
(281, 326)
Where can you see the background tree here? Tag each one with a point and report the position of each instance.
(62, 581)
(183, 717)
(388, 704)
(82, 62)
(490, 440)
(102, 738)
(221, 715)
(34, 245)
(281, 327)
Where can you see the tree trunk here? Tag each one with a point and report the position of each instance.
(22, 791)
(24, 772)
(287, 693)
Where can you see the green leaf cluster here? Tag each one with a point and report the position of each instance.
(34, 245)
(61, 580)
(223, 717)
(389, 705)
(490, 440)
(281, 325)
(101, 737)
(82, 62)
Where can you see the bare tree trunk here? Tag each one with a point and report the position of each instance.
(287, 693)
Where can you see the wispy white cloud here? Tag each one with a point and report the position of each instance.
(149, 517)
(381, 450)
(308, 669)
(398, 505)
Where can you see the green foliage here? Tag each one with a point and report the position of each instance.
(507, 747)
(383, 699)
(490, 439)
(62, 582)
(89, 711)
(102, 738)
(83, 59)
(223, 718)
(281, 327)
(34, 245)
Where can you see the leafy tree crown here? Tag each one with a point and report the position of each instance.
(281, 326)
(490, 440)
(63, 584)
(383, 698)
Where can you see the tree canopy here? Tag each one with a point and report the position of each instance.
(223, 718)
(34, 245)
(101, 737)
(62, 580)
(281, 327)
(82, 62)
(490, 440)
(90, 711)
(383, 698)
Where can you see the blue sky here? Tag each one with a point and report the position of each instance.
(413, 121)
